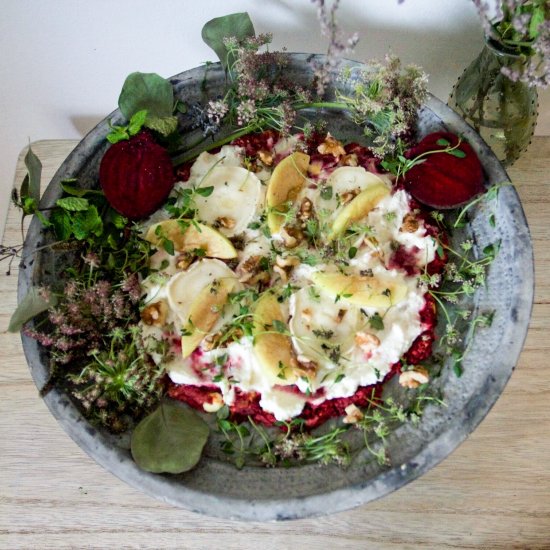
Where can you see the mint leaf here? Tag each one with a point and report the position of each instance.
(326, 193)
(118, 133)
(169, 440)
(205, 191)
(137, 121)
(162, 125)
(457, 153)
(376, 322)
(214, 31)
(87, 223)
(443, 142)
(61, 223)
(31, 305)
(73, 204)
(146, 91)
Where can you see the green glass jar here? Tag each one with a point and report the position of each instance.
(503, 112)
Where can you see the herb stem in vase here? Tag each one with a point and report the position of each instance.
(502, 111)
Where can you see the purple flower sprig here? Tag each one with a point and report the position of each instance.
(339, 45)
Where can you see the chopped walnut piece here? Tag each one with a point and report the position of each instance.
(353, 414)
(215, 405)
(349, 160)
(366, 341)
(211, 341)
(281, 272)
(414, 378)
(307, 315)
(303, 366)
(331, 146)
(184, 260)
(348, 196)
(155, 314)
(306, 211)
(224, 221)
(287, 261)
(291, 236)
(410, 223)
(251, 272)
(341, 314)
(314, 168)
(266, 157)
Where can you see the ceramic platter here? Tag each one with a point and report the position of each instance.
(216, 487)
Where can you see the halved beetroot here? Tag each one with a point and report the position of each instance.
(136, 176)
(444, 180)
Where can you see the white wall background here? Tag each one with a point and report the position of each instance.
(63, 62)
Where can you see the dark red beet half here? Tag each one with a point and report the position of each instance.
(444, 180)
(136, 176)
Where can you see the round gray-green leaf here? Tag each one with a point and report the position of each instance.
(146, 91)
(169, 440)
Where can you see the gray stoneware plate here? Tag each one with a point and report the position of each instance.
(216, 487)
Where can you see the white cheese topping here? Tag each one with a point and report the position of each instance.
(350, 345)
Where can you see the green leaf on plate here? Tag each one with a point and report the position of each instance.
(146, 91)
(537, 19)
(170, 439)
(34, 168)
(163, 125)
(78, 191)
(216, 30)
(87, 223)
(31, 305)
(73, 204)
(137, 121)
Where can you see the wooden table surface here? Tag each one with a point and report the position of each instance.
(492, 492)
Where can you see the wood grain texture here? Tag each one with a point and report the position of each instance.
(492, 492)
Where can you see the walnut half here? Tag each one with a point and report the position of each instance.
(155, 314)
(414, 378)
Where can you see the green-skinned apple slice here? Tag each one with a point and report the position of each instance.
(359, 207)
(366, 291)
(285, 184)
(204, 313)
(186, 237)
(273, 350)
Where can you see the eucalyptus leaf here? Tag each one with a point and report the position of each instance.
(214, 31)
(34, 168)
(170, 439)
(146, 91)
(30, 306)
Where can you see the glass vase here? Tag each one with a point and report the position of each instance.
(503, 112)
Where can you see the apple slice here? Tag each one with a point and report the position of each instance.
(185, 286)
(187, 237)
(285, 184)
(204, 313)
(361, 290)
(273, 350)
(359, 207)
